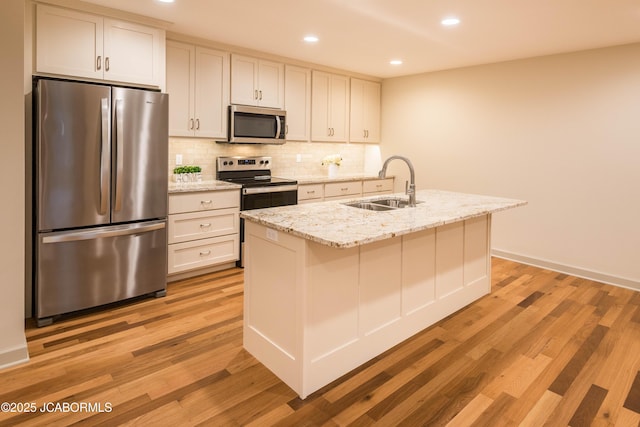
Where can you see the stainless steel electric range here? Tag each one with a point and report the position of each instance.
(259, 188)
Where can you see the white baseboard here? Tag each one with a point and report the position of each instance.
(567, 269)
(14, 356)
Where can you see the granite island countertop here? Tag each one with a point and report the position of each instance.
(335, 224)
(206, 185)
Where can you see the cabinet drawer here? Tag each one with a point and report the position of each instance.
(310, 192)
(200, 225)
(348, 188)
(202, 253)
(203, 201)
(377, 186)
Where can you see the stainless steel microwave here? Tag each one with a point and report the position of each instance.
(256, 125)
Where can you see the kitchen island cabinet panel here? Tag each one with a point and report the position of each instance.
(333, 319)
(361, 281)
(419, 288)
(449, 259)
(349, 305)
(381, 290)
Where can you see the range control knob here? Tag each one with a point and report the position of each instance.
(224, 163)
(266, 162)
(231, 163)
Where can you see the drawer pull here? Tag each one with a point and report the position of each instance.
(205, 253)
(206, 202)
(378, 185)
(205, 225)
(311, 192)
(344, 189)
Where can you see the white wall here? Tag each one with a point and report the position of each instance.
(562, 132)
(12, 164)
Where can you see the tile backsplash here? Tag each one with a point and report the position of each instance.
(357, 158)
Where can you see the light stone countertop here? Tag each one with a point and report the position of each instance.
(208, 185)
(334, 224)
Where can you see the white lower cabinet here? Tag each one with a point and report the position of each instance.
(203, 229)
(309, 193)
(377, 186)
(342, 190)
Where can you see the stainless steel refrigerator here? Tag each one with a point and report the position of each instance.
(100, 195)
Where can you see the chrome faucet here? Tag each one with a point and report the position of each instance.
(410, 189)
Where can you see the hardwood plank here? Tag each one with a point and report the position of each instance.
(179, 361)
(632, 401)
(589, 406)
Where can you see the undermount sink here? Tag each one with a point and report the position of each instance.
(388, 204)
(369, 206)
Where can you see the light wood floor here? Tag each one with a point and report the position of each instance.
(542, 349)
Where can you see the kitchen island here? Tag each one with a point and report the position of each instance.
(330, 286)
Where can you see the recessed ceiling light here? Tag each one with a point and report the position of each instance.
(449, 22)
(311, 39)
(166, 1)
(395, 62)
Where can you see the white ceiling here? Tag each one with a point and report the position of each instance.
(364, 35)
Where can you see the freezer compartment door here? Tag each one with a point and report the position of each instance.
(82, 269)
(73, 149)
(140, 138)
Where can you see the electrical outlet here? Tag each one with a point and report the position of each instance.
(298, 158)
(178, 159)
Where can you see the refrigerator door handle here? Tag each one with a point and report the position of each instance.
(119, 152)
(104, 155)
(124, 230)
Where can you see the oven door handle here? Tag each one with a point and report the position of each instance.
(270, 189)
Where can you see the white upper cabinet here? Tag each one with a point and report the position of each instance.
(297, 102)
(329, 107)
(257, 82)
(198, 88)
(84, 45)
(365, 111)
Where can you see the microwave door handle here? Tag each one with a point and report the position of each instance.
(278, 126)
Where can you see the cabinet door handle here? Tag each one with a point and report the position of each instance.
(260, 96)
(197, 124)
(106, 63)
(205, 253)
(99, 62)
(286, 129)
(205, 225)
(191, 124)
(255, 94)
